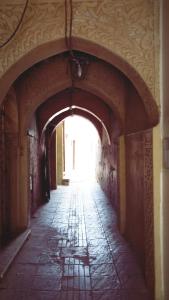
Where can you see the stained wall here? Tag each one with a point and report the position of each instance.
(52, 162)
(35, 172)
(107, 170)
(139, 229)
(164, 205)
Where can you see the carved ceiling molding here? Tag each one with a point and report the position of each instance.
(129, 30)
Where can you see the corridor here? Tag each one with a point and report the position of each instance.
(75, 252)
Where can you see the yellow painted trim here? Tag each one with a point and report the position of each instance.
(158, 228)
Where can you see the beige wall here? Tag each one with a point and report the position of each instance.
(165, 134)
(158, 234)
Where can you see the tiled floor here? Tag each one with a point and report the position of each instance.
(75, 253)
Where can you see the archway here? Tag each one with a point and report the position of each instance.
(132, 109)
(72, 101)
(48, 135)
(79, 112)
(55, 47)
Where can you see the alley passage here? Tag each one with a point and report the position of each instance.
(75, 253)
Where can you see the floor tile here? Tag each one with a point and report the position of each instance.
(75, 252)
(110, 295)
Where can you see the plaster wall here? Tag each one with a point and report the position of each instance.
(122, 184)
(158, 223)
(34, 167)
(11, 164)
(134, 194)
(165, 135)
(2, 161)
(107, 169)
(139, 200)
(52, 162)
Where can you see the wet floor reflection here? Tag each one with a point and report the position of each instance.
(75, 252)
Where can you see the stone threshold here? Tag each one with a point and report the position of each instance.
(8, 253)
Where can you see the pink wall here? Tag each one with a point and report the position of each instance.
(107, 169)
(139, 201)
(135, 193)
(52, 162)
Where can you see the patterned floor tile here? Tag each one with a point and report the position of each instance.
(75, 252)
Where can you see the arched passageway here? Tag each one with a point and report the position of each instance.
(45, 93)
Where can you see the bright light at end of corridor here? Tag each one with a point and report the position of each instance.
(81, 149)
